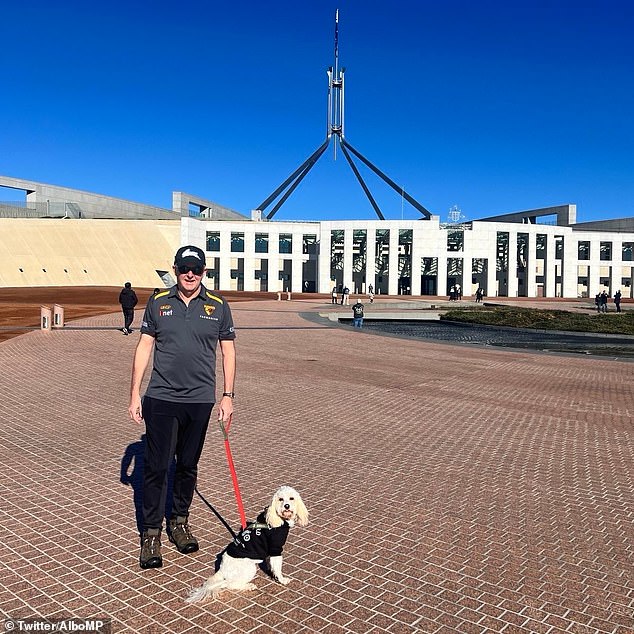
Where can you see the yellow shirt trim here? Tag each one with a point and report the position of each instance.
(214, 297)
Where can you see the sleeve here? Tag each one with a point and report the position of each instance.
(227, 331)
(136, 299)
(148, 325)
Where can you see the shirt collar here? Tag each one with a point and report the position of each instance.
(202, 292)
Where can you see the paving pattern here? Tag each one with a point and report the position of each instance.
(451, 489)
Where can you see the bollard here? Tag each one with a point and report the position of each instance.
(45, 318)
(288, 296)
(58, 316)
(279, 297)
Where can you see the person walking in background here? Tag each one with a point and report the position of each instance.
(345, 296)
(183, 326)
(603, 301)
(334, 295)
(357, 314)
(617, 300)
(128, 300)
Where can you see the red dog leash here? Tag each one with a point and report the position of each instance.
(234, 477)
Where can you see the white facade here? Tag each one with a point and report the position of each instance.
(420, 257)
(99, 240)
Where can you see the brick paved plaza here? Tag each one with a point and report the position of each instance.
(451, 488)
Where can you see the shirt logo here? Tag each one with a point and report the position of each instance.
(166, 310)
(209, 309)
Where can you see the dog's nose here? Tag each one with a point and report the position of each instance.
(287, 506)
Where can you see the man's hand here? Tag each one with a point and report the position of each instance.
(135, 412)
(142, 356)
(225, 409)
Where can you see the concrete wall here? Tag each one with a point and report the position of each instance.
(55, 252)
(53, 200)
(207, 208)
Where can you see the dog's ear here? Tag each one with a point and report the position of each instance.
(272, 518)
(301, 512)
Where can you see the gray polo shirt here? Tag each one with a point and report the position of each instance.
(185, 339)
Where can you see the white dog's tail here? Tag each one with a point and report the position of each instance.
(209, 590)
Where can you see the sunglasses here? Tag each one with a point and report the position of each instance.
(197, 269)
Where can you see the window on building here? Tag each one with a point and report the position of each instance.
(404, 261)
(583, 250)
(522, 251)
(261, 242)
(309, 244)
(583, 275)
(455, 240)
(213, 240)
(237, 242)
(405, 241)
(454, 267)
(336, 253)
(559, 247)
(286, 243)
(626, 254)
(429, 266)
(359, 239)
(605, 251)
(502, 259)
(382, 251)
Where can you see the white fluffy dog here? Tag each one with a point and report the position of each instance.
(262, 539)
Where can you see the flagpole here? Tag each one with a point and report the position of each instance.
(336, 42)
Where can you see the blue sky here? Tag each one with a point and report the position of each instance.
(490, 106)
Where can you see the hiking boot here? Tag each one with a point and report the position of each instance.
(181, 535)
(151, 549)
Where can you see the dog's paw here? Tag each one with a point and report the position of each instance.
(283, 580)
(250, 586)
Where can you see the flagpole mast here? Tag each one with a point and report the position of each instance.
(335, 92)
(336, 42)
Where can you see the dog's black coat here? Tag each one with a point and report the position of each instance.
(258, 541)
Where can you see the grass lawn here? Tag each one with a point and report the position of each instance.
(612, 323)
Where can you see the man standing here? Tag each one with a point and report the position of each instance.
(128, 300)
(617, 300)
(183, 326)
(357, 314)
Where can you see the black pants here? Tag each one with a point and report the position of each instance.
(128, 317)
(171, 430)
